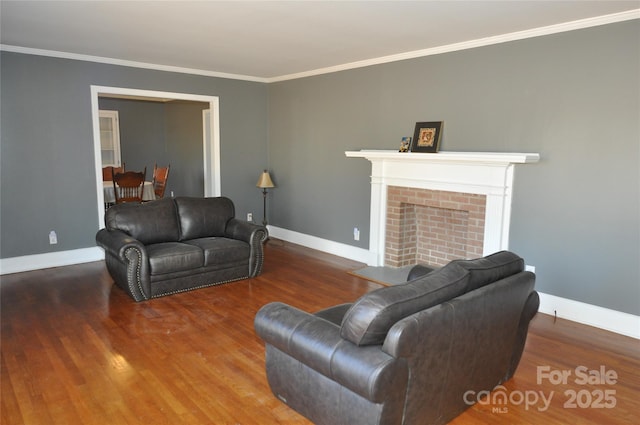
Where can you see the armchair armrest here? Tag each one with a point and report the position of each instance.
(316, 342)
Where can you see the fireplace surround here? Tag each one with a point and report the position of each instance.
(462, 185)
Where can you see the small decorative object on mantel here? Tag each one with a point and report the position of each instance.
(426, 137)
(405, 144)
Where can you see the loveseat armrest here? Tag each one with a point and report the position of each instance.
(316, 343)
(254, 235)
(127, 262)
(246, 231)
(115, 242)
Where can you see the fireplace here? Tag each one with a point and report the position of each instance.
(432, 226)
(432, 208)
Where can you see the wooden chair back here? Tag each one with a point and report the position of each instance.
(108, 172)
(160, 177)
(128, 186)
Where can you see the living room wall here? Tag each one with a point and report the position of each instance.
(572, 97)
(47, 164)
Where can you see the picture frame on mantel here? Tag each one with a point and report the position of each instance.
(426, 137)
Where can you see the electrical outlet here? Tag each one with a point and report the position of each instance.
(53, 238)
(249, 216)
(356, 234)
(172, 195)
(529, 268)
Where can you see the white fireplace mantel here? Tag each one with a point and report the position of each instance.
(486, 173)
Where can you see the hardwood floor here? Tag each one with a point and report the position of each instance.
(77, 350)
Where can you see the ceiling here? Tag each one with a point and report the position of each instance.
(271, 40)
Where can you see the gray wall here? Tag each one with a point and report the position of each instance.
(163, 133)
(572, 97)
(47, 165)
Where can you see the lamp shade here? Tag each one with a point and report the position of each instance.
(265, 180)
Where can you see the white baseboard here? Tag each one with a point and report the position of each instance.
(592, 315)
(324, 245)
(52, 259)
(576, 311)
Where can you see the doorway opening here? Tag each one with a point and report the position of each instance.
(210, 143)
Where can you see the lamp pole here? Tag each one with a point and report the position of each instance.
(264, 206)
(264, 182)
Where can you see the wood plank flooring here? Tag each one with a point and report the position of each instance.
(77, 350)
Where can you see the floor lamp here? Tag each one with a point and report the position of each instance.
(264, 182)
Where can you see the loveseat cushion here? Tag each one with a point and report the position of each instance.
(170, 257)
(203, 217)
(221, 250)
(150, 222)
(370, 318)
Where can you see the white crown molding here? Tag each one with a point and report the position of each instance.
(487, 41)
(122, 62)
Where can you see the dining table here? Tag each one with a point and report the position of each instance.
(148, 194)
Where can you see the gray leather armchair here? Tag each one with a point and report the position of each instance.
(403, 354)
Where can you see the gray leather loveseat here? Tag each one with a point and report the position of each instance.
(414, 353)
(177, 244)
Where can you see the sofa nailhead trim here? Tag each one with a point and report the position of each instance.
(137, 271)
(177, 291)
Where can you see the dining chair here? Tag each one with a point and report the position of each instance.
(108, 172)
(160, 177)
(128, 186)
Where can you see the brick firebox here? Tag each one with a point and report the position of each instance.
(432, 226)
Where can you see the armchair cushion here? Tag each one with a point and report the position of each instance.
(370, 318)
(334, 314)
(491, 268)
